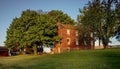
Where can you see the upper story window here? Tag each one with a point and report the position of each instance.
(91, 34)
(77, 41)
(68, 31)
(76, 32)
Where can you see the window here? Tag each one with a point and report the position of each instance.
(68, 31)
(85, 43)
(91, 34)
(68, 41)
(76, 32)
(77, 42)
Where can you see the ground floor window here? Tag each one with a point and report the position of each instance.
(77, 42)
(68, 41)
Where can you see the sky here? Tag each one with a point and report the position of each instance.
(9, 9)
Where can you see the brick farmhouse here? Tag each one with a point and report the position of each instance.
(70, 39)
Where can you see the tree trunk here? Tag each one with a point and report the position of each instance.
(22, 52)
(105, 41)
(35, 50)
(93, 41)
(99, 42)
(108, 22)
(105, 46)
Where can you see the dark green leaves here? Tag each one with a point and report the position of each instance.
(59, 16)
(31, 27)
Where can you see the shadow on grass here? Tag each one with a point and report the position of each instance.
(16, 67)
(1, 65)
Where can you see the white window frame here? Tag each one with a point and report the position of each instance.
(68, 31)
(77, 41)
(76, 32)
(68, 41)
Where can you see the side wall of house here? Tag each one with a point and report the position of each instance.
(68, 42)
(68, 39)
(71, 39)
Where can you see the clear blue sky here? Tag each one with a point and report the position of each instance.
(10, 9)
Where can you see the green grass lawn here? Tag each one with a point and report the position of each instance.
(83, 59)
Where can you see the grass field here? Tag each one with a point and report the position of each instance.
(83, 59)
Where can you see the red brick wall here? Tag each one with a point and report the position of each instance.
(63, 45)
(3, 53)
(72, 36)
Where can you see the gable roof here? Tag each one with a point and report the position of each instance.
(3, 49)
(65, 26)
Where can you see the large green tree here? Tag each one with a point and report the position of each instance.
(90, 18)
(109, 21)
(31, 29)
(100, 18)
(12, 33)
(61, 17)
(117, 10)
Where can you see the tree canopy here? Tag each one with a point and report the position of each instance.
(61, 17)
(117, 10)
(100, 17)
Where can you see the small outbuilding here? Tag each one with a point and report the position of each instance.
(3, 51)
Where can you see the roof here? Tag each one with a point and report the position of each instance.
(3, 49)
(66, 26)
